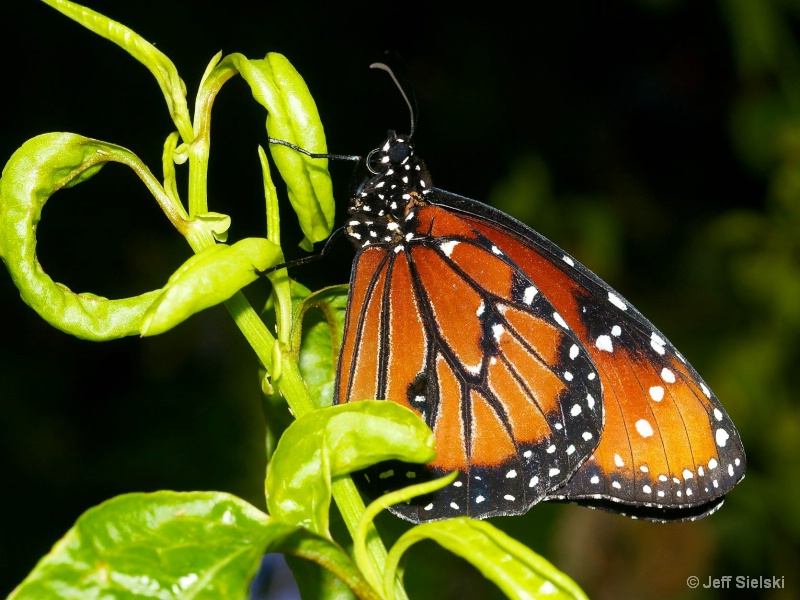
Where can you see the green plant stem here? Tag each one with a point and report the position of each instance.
(347, 498)
(213, 79)
(349, 502)
(252, 327)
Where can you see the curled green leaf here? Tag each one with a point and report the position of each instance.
(402, 495)
(160, 66)
(39, 168)
(518, 571)
(207, 279)
(293, 117)
(217, 223)
(334, 441)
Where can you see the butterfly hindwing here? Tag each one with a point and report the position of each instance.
(668, 449)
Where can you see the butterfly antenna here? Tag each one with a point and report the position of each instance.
(408, 97)
(297, 148)
(334, 236)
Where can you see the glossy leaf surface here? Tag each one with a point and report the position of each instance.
(334, 441)
(518, 572)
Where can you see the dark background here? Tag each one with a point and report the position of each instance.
(656, 140)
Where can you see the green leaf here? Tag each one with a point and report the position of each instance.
(160, 66)
(39, 168)
(293, 117)
(322, 317)
(207, 279)
(162, 545)
(519, 572)
(335, 441)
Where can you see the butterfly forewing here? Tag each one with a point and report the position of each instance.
(443, 326)
(668, 449)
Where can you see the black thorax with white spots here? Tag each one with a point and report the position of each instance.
(383, 206)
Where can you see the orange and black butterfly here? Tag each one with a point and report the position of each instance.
(539, 381)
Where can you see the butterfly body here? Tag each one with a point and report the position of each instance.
(538, 380)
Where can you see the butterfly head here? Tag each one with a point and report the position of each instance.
(393, 182)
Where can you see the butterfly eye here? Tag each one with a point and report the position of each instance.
(399, 152)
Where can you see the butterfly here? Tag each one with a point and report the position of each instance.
(538, 380)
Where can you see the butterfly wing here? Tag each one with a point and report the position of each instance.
(668, 450)
(450, 327)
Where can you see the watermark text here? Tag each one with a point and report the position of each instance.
(727, 582)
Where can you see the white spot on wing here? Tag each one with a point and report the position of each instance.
(644, 428)
(528, 295)
(657, 343)
(498, 330)
(568, 260)
(473, 369)
(617, 301)
(560, 320)
(447, 247)
(657, 393)
(604, 343)
(573, 351)
(667, 375)
(722, 437)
